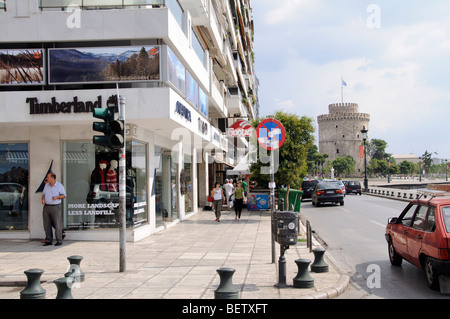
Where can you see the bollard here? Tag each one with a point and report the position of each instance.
(226, 288)
(404, 195)
(319, 264)
(33, 290)
(303, 278)
(64, 286)
(75, 270)
(399, 194)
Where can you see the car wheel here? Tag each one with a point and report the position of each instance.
(341, 203)
(432, 279)
(394, 258)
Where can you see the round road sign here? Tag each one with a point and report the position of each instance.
(271, 134)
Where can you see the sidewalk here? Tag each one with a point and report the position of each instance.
(177, 263)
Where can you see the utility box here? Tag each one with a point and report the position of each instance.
(286, 227)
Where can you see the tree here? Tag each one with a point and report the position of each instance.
(377, 149)
(344, 165)
(427, 161)
(292, 155)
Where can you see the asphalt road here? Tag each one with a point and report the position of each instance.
(354, 237)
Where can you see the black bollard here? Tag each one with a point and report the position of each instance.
(303, 278)
(33, 290)
(64, 286)
(75, 270)
(226, 288)
(319, 264)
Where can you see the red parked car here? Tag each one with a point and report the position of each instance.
(420, 235)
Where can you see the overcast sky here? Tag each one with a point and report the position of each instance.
(394, 56)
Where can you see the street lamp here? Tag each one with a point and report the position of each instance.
(364, 137)
(446, 171)
(389, 169)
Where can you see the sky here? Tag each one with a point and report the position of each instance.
(394, 56)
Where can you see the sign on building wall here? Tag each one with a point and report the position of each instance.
(22, 67)
(105, 64)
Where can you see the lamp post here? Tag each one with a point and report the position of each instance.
(364, 137)
(389, 169)
(446, 171)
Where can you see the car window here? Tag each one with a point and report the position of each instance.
(419, 218)
(446, 215)
(406, 219)
(431, 224)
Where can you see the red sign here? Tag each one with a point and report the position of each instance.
(361, 151)
(271, 134)
(240, 129)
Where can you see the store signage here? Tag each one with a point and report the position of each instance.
(183, 111)
(240, 129)
(202, 126)
(74, 106)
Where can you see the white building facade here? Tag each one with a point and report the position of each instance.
(185, 69)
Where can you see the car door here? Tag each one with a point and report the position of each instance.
(401, 229)
(415, 234)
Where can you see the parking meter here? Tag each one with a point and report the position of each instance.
(286, 228)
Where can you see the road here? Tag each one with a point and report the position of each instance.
(354, 238)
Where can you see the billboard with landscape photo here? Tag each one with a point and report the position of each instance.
(107, 64)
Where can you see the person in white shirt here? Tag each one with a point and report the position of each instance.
(51, 199)
(228, 186)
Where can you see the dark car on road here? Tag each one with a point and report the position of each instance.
(420, 235)
(353, 187)
(327, 192)
(308, 187)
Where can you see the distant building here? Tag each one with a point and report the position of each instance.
(340, 133)
(413, 158)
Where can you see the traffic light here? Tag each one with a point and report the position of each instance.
(112, 129)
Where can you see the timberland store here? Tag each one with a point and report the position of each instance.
(44, 130)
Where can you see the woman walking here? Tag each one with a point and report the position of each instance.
(218, 195)
(238, 200)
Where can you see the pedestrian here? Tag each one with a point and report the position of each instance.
(228, 186)
(51, 199)
(238, 200)
(244, 186)
(219, 197)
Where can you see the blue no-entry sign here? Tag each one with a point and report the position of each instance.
(271, 134)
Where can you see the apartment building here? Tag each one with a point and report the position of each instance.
(185, 69)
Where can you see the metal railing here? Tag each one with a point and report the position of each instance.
(97, 4)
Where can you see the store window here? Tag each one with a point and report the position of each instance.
(91, 176)
(188, 195)
(14, 173)
(166, 184)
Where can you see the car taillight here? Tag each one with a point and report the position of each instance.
(339, 191)
(320, 192)
(444, 254)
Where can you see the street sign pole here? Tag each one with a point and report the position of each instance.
(271, 135)
(272, 195)
(122, 190)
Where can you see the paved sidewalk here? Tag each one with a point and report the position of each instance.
(177, 263)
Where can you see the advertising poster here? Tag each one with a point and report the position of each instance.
(108, 64)
(258, 201)
(22, 67)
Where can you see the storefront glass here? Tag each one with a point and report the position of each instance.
(165, 187)
(91, 178)
(188, 196)
(14, 175)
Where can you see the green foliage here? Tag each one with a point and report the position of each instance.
(292, 155)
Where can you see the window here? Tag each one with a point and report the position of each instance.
(419, 218)
(91, 177)
(14, 175)
(431, 223)
(446, 215)
(406, 218)
(2, 5)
